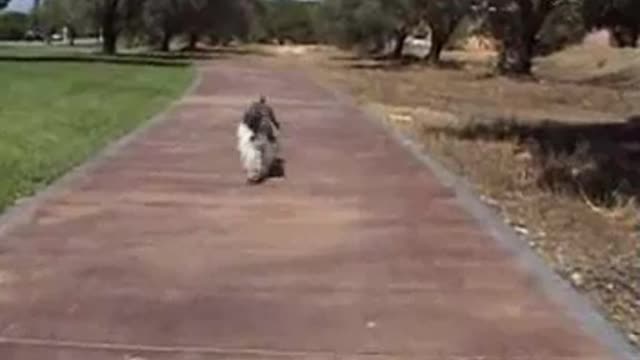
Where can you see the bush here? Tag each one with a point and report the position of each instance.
(13, 25)
(564, 26)
(290, 20)
(283, 20)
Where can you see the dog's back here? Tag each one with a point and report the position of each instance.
(257, 141)
(260, 118)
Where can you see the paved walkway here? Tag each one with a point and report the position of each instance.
(162, 252)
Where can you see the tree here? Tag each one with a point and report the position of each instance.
(363, 23)
(258, 24)
(35, 20)
(4, 3)
(232, 19)
(620, 17)
(58, 14)
(156, 20)
(13, 25)
(107, 13)
(563, 26)
(109, 16)
(443, 18)
(516, 24)
(222, 18)
(374, 25)
(290, 19)
(199, 13)
(164, 20)
(403, 17)
(378, 21)
(113, 17)
(131, 23)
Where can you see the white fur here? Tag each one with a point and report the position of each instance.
(257, 155)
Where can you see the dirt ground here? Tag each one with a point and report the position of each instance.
(557, 155)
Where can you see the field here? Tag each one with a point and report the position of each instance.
(557, 156)
(59, 106)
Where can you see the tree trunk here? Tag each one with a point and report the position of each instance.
(515, 59)
(71, 35)
(35, 15)
(109, 32)
(517, 51)
(193, 41)
(109, 42)
(624, 37)
(378, 45)
(438, 42)
(517, 27)
(401, 37)
(214, 40)
(98, 33)
(166, 41)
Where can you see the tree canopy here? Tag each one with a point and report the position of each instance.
(57, 14)
(523, 28)
(621, 17)
(286, 20)
(13, 25)
(359, 22)
(375, 22)
(154, 21)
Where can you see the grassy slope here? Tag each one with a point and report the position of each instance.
(53, 115)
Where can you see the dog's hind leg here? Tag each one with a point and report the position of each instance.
(250, 155)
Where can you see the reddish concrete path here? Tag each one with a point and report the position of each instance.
(162, 252)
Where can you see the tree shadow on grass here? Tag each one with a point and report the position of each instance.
(378, 65)
(96, 59)
(599, 160)
(405, 62)
(172, 55)
(180, 58)
(234, 51)
(352, 57)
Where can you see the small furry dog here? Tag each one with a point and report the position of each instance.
(258, 142)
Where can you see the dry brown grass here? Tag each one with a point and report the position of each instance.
(556, 155)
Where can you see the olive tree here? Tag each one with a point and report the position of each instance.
(443, 18)
(516, 24)
(620, 17)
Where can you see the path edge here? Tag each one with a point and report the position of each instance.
(578, 306)
(24, 209)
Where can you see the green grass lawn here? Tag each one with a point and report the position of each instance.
(56, 113)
